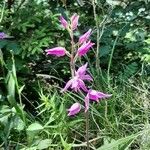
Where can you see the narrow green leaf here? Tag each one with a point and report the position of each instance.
(65, 144)
(119, 144)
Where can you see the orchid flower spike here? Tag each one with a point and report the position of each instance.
(74, 21)
(74, 109)
(58, 51)
(64, 23)
(85, 48)
(94, 96)
(85, 37)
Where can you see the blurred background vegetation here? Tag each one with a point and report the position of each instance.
(32, 110)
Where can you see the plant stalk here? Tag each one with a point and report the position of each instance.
(97, 36)
(110, 61)
(72, 62)
(87, 129)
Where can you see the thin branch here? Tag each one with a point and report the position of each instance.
(98, 34)
(84, 143)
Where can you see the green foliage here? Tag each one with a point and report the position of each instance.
(121, 144)
(32, 111)
(43, 144)
(34, 127)
(33, 130)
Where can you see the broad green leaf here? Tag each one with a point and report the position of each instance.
(4, 119)
(5, 113)
(33, 130)
(34, 127)
(44, 144)
(18, 124)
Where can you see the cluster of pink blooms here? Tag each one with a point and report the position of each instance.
(76, 83)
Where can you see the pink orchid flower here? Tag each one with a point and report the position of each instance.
(85, 48)
(94, 96)
(81, 72)
(85, 36)
(64, 23)
(58, 51)
(74, 21)
(76, 83)
(74, 109)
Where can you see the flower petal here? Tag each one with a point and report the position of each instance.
(58, 51)
(85, 48)
(85, 36)
(86, 77)
(103, 95)
(64, 23)
(96, 95)
(82, 70)
(82, 85)
(68, 84)
(74, 109)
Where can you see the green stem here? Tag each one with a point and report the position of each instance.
(87, 129)
(111, 55)
(97, 34)
(106, 111)
(110, 60)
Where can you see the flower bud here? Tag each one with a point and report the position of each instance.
(64, 23)
(85, 36)
(74, 21)
(74, 109)
(58, 51)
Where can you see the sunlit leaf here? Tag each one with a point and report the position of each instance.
(44, 144)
